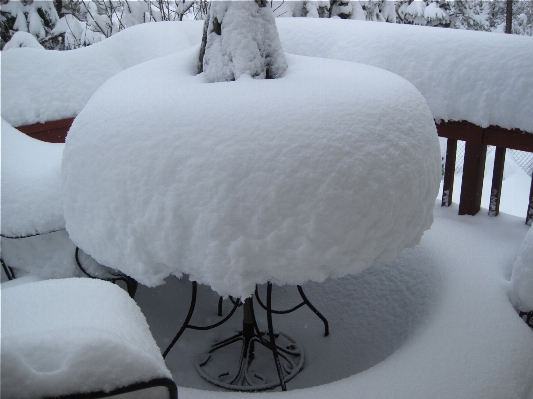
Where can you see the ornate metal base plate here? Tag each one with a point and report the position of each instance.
(253, 367)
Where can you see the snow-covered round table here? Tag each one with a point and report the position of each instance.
(324, 172)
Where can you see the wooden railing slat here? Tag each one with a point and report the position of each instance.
(497, 179)
(529, 216)
(449, 172)
(473, 174)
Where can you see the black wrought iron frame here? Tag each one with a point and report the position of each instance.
(131, 284)
(527, 317)
(250, 332)
(139, 386)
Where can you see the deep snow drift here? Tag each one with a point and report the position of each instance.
(268, 185)
(464, 75)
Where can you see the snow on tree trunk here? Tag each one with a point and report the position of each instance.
(241, 38)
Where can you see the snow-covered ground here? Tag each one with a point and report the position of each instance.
(437, 321)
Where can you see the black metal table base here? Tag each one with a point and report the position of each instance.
(251, 370)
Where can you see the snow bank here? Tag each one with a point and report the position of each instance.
(74, 335)
(522, 278)
(42, 86)
(278, 180)
(463, 75)
(31, 184)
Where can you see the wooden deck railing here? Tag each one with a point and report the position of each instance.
(476, 141)
(475, 137)
(51, 132)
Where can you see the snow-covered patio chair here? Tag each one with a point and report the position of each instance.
(77, 337)
(34, 240)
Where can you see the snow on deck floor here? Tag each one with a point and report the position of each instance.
(436, 322)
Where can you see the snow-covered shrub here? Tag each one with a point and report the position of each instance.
(35, 17)
(23, 39)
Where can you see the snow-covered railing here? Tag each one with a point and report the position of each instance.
(476, 140)
(475, 137)
(51, 132)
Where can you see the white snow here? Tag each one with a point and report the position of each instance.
(73, 336)
(522, 278)
(435, 322)
(287, 182)
(463, 75)
(73, 76)
(31, 184)
(23, 39)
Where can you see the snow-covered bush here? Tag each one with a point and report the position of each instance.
(68, 24)
(23, 39)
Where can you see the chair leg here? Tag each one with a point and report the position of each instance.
(187, 319)
(310, 306)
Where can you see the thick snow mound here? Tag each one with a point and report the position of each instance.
(522, 278)
(42, 86)
(278, 180)
(463, 75)
(73, 335)
(31, 184)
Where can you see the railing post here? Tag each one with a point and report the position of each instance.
(473, 173)
(529, 217)
(497, 178)
(449, 172)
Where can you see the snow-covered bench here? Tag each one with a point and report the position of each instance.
(68, 337)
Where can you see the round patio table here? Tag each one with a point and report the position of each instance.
(327, 171)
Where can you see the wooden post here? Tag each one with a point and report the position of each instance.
(509, 17)
(449, 172)
(473, 173)
(497, 178)
(529, 217)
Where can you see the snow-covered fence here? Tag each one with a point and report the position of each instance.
(477, 139)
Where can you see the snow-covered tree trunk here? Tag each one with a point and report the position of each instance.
(241, 38)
